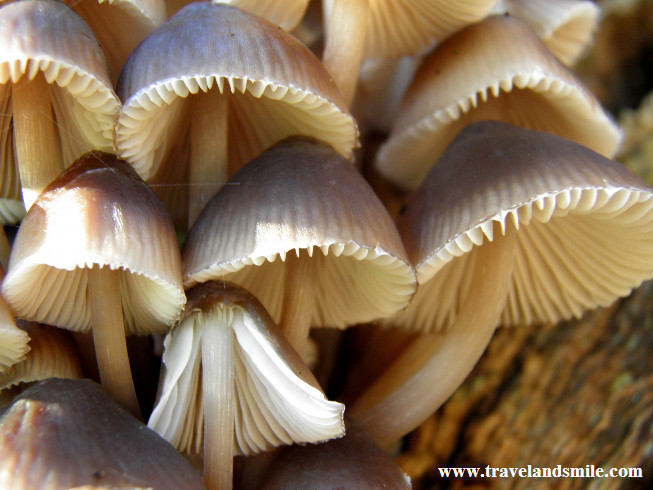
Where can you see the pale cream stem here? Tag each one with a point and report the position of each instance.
(427, 373)
(208, 148)
(298, 300)
(218, 393)
(38, 148)
(346, 30)
(103, 294)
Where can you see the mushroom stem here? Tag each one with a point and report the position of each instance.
(218, 394)
(208, 148)
(103, 291)
(298, 298)
(345, 41)
(433, 366)
(38, 149)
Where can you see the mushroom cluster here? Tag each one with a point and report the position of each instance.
(130, 127)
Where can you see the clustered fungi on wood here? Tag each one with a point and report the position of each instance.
(208, 98)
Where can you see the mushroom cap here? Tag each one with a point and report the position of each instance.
(120, 25)
(278, 399)
(66, 51)
(352, 461)
(65, 433)
(565, 26)
(98, 213)
(398, 29)
(52, 354)
(497, 69)
(208, 44)
(583, 225)
(13, 341)
(302, 195)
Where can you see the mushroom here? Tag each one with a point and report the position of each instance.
(353, 461)
(232, 84)
(62, 102)
(255, 392)
(500, 70)
(571, 230)
(64, 433)
(120, 25)
(341, 258)
(383, 29)
(96, 249)
(52, 354)
(565, 26)
(13, 340)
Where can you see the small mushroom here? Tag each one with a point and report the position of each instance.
(353, 461)
(512, 226)
(120, 25)
(52, 354)
(62, 102)
(231, 84)
(64, 433)
(565, 26)
(96, 249)
(302, 230)
(498, 70)
(385, 29)
(255, 392)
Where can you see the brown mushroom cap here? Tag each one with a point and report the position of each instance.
(69, 433)
(353, 461)
(98, 213)
(302, 195)
(497, 69)
(273, 77)
(583, 223)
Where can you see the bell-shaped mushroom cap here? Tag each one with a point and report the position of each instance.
(302, 195)
(97, 213)
(277, 399)
(565, 26)
(46, 36)
(497, 69)
(279, 87)
(583, 225)
(64, 433)
(120, 25)
(51, 355)
(353, 461)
